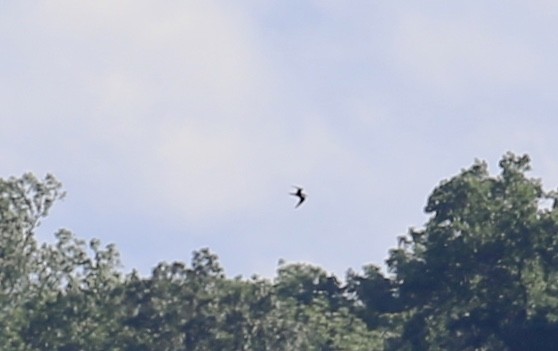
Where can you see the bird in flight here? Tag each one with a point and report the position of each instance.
(298, 193)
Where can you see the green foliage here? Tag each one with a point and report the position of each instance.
(480, 275)
(23, 202)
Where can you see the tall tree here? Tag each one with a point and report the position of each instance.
(23, 203)
(480, 274)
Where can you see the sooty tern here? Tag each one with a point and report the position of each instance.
(301, 196)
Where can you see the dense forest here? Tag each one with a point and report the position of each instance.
(481, 274)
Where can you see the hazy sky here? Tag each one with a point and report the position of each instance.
(177, 125)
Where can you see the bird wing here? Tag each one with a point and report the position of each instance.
(302, 198)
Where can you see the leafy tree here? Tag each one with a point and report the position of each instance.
(176, 308)
(305, 283)
(374, 294)
(480, 274)
(78, 309)
(197, 308)
(23, 202)
(58, 296)
(316, 313)
(70, 295)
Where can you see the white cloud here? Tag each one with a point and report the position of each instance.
(135, 86)
(204, 172)
(169, 107)
(457, 53)
(199, 112)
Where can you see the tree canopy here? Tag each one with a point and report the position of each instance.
(481, 274)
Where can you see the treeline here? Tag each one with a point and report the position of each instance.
(480, 275)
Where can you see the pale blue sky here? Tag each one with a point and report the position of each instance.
(178, 125)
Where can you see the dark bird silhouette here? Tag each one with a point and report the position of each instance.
(298, 193)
